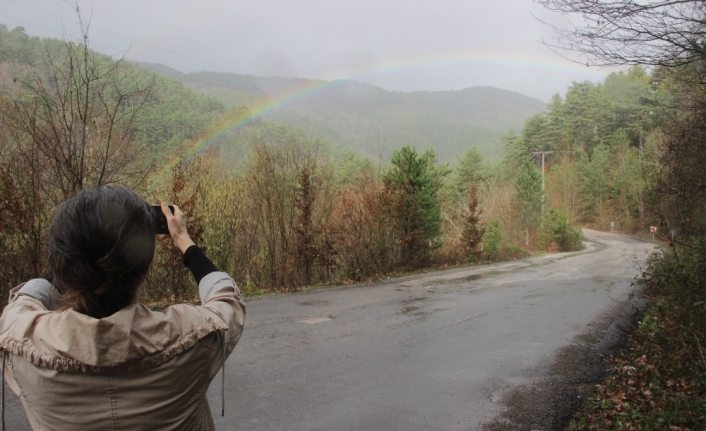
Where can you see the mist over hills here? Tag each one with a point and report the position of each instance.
(372, 120)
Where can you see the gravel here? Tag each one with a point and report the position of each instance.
(550, 401)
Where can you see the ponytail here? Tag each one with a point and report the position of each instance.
(101, 302)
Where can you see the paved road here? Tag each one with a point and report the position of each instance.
(433, 351)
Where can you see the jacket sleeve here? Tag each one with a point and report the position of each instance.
(34, 297)
(39, 289)
(31, 297)
(221, 295)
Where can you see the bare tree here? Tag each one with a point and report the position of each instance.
(632, 32)
(65, 125)
(669, 34)
(78, 111)
(679, 196)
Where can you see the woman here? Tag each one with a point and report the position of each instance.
(79, 349)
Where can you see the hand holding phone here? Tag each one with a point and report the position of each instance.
(161, 220)
(177, 231)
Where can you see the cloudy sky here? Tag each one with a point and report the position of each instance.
(402, 45)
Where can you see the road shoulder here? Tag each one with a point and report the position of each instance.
(560, 387)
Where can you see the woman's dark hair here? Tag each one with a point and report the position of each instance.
(100, 246)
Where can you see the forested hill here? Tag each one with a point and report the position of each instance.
(376, 121)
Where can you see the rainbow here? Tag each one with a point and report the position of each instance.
(559, 67)
(258, 109)
(311, 88)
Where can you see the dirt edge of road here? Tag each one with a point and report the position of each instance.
(549, 402)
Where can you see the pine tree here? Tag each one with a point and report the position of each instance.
(473, 229)
(529, 196)
(415, 183)
(469, 172)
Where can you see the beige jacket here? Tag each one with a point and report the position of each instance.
(135, 370)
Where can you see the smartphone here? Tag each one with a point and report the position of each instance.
(160, 219)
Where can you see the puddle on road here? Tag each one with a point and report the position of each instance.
(314, 302)
(413, 300)
(418, 298)
(607, 284)
(535, 295)
(316, 320)
(412, 306)
(409, 309)
(466, 279)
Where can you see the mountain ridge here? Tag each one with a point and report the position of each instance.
(366, 118)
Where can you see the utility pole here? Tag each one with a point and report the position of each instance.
(542, 153)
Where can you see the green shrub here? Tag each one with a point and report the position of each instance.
(513, 251)
(558, 229)
(492, 240)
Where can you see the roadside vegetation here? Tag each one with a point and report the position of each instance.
(659, 381)
(281, 210)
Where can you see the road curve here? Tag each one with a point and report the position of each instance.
(432, 351)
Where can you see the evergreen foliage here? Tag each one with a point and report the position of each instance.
(373, 121)
(652, 154)
(280, 210)
(303, 212)
(595, 141)
(529, 195)
(415, 182)
(558, 229)
(493, 239)
(470, 171)
(473, 229)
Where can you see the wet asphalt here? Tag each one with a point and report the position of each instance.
(435, 351)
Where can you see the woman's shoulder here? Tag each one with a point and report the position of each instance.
(134, 336)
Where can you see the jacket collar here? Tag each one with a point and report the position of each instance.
(134, 338)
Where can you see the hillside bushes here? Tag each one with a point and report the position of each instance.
(281, 210)
(557, 229)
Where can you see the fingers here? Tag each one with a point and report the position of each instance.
(171, 212)
(175, 221)
(167, 212)
(177, 226)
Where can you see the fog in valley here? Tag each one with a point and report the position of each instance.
(396, 45)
